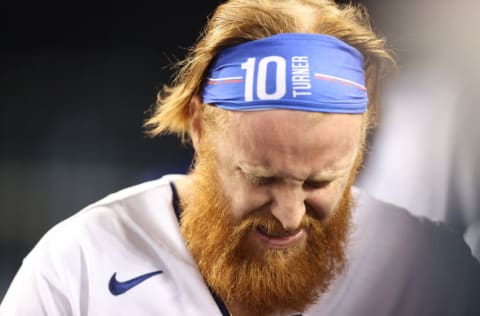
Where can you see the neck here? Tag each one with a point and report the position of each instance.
(182, 185)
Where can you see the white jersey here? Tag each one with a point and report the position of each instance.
(124, 255)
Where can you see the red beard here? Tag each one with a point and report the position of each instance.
(260, 281)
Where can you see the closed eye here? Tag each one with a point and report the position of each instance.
(262, 180)
(316, 184)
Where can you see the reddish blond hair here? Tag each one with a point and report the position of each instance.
(238, 21)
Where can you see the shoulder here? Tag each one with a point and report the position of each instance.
(159, 187)
(411, 262)
(132, 234)
(402, 264)
(374, 217)
(109, 224)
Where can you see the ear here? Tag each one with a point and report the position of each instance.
(196, 128)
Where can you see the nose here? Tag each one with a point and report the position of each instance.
(288, 205)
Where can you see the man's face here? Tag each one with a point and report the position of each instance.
(267, 213)
(284, 162)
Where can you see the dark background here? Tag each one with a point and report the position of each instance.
(76, 81)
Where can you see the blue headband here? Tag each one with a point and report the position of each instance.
(307, 72)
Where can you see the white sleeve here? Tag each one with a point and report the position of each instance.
(32, 293)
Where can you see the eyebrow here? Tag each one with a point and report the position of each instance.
(262, 172)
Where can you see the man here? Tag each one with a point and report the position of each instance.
(276, 98)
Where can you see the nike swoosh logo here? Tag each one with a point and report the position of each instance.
(116, 287)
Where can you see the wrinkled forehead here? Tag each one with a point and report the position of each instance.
(298, 135)
(293, 124)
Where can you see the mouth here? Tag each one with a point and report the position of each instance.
(279, 239)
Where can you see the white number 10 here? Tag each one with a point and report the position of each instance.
(280, 78)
